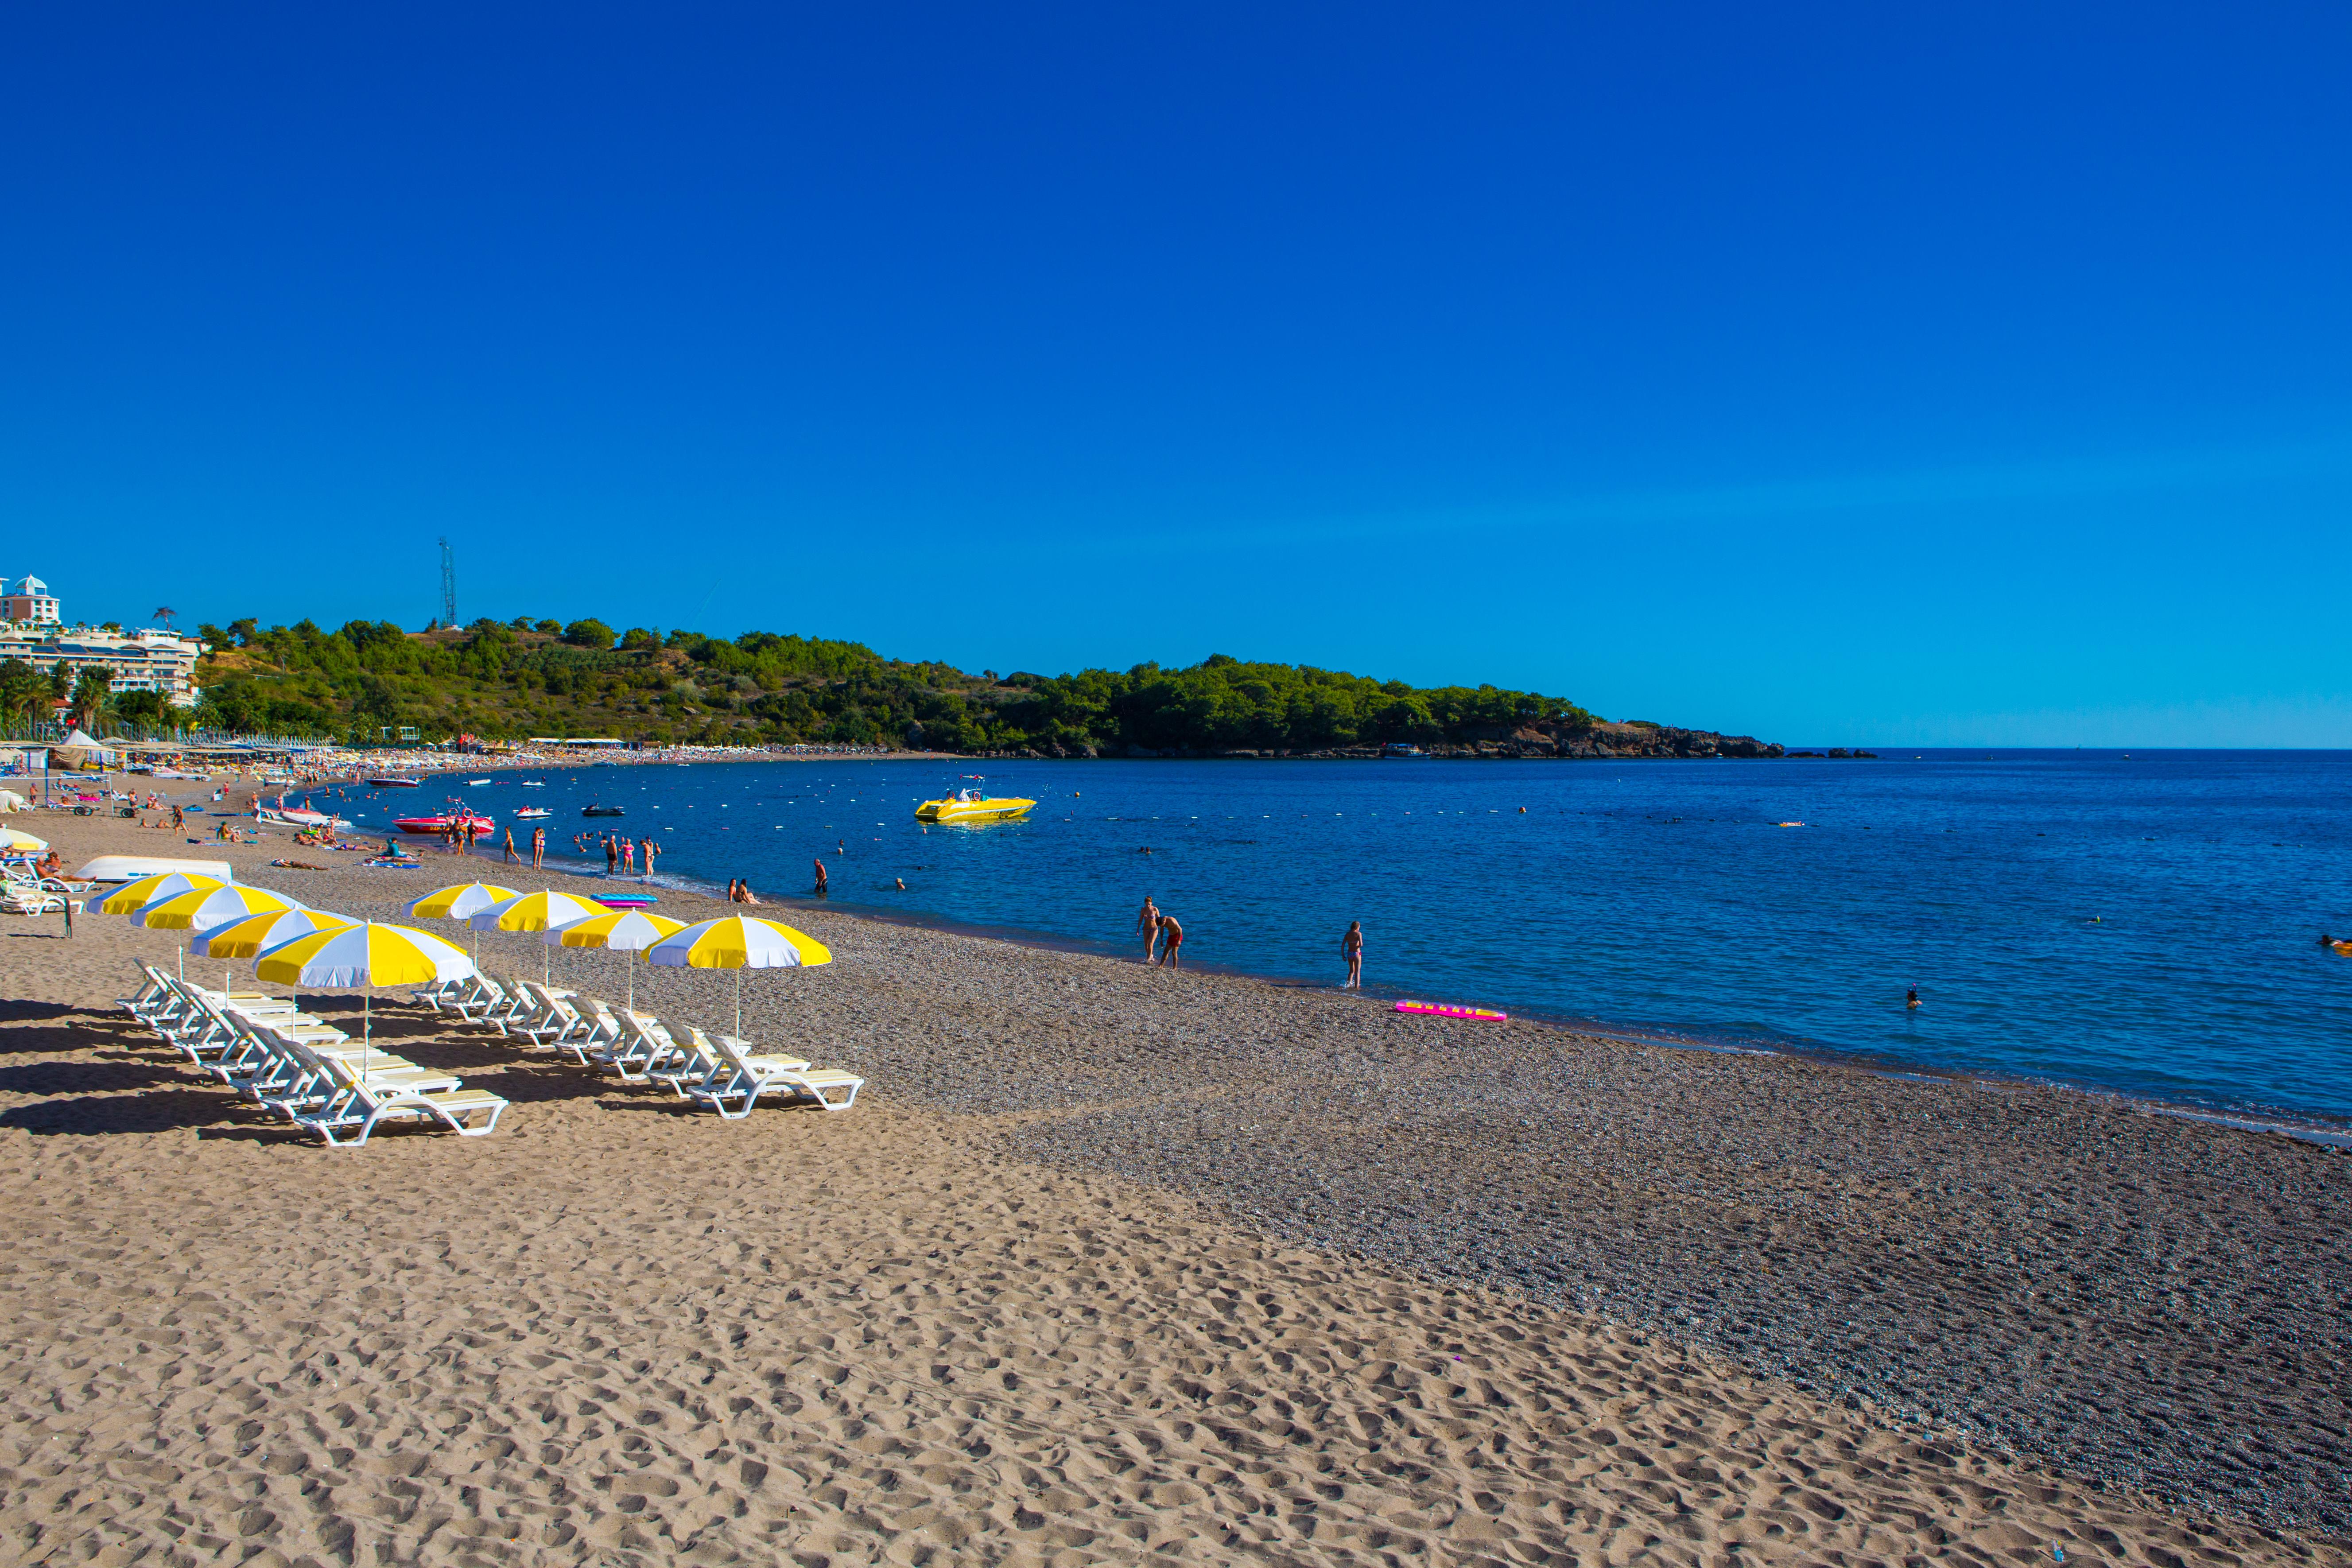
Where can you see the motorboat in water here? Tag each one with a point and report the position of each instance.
(532, 783)
(602, 811)
(395, 783)
(974, 806)
(530, 812)
(472, 783)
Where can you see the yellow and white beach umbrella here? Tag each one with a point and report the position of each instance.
(133, 897)
(620, 931)
(534, 912)
(367, 955)
(256, 934)
(739, 942)
(459, 901)
(200, 908)
(15, 843)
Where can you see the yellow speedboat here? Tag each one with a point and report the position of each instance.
(974, 806)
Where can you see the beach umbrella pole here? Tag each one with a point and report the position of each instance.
(739, 1004)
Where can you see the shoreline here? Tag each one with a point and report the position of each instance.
(2315, 1128)
(2306, 1127)
(2139, 1298)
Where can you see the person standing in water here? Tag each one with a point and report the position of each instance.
(1351, 948)
(1171, 942)
(820, 879)
(611, 855)
(1147, 924)
(538, 848)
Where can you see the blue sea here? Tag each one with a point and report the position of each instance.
(2144, 924)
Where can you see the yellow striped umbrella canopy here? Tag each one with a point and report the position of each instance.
(739, 942)
(623, 931)
(256, 934)
(461, 900)
(366, 953)
(535, 912)
(618, 930)
(133, 897)
(200, 908)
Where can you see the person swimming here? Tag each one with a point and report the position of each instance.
(1911, 997)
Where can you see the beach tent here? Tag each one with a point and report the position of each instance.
(82, 752)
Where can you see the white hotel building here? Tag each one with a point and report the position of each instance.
(151, 659)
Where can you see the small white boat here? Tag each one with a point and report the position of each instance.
(532, 783)
(529, 812)
(297, 816)
(130, 867)
(471, 783)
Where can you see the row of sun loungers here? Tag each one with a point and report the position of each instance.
(718, 1071)
(312, 1073)
(272, 1054)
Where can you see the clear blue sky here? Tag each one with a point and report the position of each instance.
(1863, 373)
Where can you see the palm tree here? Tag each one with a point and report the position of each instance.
(21, 690)
(89, 694)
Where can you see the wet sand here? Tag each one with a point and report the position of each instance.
(1111, 1265)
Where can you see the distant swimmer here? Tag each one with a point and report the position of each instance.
(1911, 998)
(902, 884)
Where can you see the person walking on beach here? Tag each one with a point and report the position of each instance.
(1171, 942)
(510, 857)
(1351, 948)
(1147, 924)
(820, 879)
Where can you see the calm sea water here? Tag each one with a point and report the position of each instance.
(2149, 925)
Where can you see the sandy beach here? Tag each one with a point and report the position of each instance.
(1111, 1265)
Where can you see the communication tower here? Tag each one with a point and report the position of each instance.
(448, 585)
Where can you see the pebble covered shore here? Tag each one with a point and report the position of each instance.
(2127, 1297)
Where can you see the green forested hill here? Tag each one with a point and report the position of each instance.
(498, 680)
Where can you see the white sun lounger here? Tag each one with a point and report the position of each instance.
(740, 1080)
(356, 1105)
(698, 1062)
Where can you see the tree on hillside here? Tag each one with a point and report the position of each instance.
(589, 633)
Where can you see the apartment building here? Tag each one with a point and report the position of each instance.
(150, 659)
